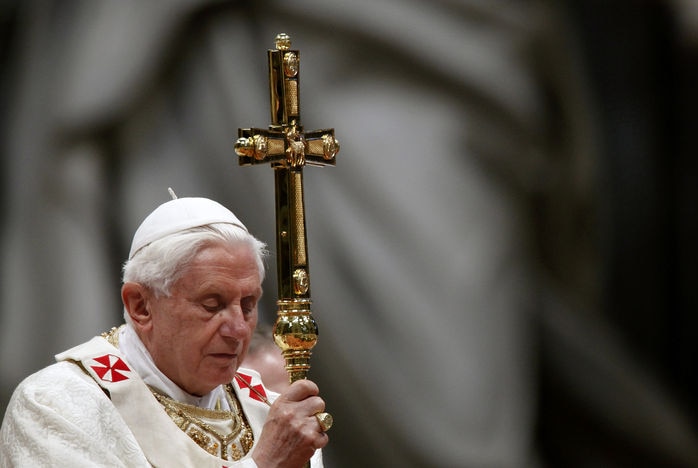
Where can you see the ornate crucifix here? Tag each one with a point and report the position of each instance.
(288, 149)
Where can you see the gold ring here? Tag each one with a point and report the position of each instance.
(325, 421)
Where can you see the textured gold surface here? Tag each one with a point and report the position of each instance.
(276, 146)
(292, 97)
(298, 219)
(315, 146)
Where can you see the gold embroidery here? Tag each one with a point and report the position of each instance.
(231, 446)
(112, 336)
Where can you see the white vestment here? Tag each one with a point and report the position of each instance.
(92, 409)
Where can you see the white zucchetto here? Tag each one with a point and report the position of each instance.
(178, 215)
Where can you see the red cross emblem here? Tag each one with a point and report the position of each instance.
(110, 368)
(256, 391)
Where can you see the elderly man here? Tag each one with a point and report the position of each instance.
(165, 389)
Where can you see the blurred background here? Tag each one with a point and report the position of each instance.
(502, 261)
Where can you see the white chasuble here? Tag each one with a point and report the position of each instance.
(91, 409)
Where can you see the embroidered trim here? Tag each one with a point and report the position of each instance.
(112, 336)
(258, 390)
(232, 446)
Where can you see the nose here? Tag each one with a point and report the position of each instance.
(233, 323)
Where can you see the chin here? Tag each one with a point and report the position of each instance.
(222, 378)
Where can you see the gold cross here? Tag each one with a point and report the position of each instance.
(288, 149)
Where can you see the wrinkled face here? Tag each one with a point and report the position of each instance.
(200, 334)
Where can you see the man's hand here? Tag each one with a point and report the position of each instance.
(292, 433)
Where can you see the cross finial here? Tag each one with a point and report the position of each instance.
(285, 143)
(282, 41)
(288, 149)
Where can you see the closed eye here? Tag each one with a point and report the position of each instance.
(213, 304)
(248, 304)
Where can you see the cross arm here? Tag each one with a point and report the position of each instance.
(289, 147)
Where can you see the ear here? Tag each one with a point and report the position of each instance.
(135, 299)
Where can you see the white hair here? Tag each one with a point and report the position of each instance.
(160, 264)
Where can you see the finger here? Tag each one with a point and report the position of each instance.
(311, 405)
(300, 390)
(304, 408)
(321, 441)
